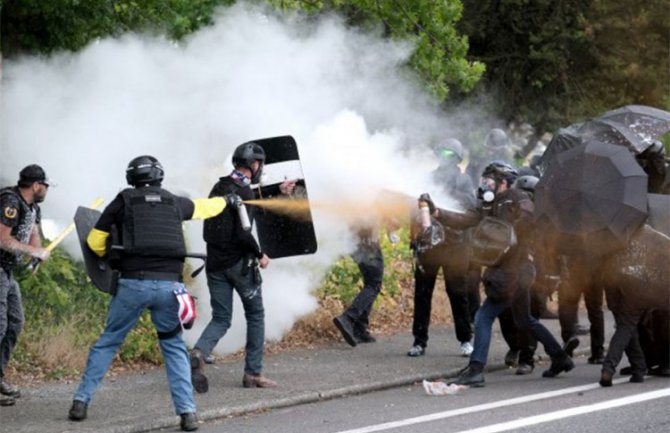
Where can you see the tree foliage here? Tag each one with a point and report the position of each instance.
(551, 63)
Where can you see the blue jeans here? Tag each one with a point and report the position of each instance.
(132, 298)
(520, 308)
(221, 285)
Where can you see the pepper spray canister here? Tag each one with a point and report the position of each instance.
(424, 214)
(244, 216)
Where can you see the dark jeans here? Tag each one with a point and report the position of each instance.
(11, 317)
(368, 257)
(473, 282)
(577, 279)
(454, 264)
(627, 318)
(519, 306)
(221, 286)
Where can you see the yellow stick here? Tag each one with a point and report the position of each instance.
(63, 234)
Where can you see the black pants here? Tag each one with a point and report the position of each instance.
(370, 261)
(627, 318)
(577, 279)
(454, 264)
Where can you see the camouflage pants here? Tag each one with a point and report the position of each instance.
(11, 317)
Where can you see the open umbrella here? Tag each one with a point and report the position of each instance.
(594, 193)
(648, 123)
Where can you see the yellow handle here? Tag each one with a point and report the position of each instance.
(62, 235)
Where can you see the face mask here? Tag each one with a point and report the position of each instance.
(240, 178)
(487, 189)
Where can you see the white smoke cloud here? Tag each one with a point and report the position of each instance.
(360, 124)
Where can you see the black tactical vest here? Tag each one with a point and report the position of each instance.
(152, 223)
(28, 216)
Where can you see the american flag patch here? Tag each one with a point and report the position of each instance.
(187, 310)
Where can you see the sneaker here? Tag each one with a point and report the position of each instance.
(470, 377)
(257, 381)
(570, 346)
(605, 378)
(346, 328)
(9, 390)
(416, 350)
(559, 365)
(198, 378)
(511, 358)
(7, 401)
(77, 411)
(466, 348)
(524, 369)
(596, 359)
(209, 359)
(189, 421)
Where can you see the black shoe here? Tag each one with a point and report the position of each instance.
(524, 369)
(346, 328)
(511, 358)
(605, 378)
(596, 359)
(582, 330)
(570, 346)
(636, 378)
(189, 421)
(77, 411)
(198, 378)
(9, 390)
(470, 377)
(416, 350)
(559, 365)
(7, 401)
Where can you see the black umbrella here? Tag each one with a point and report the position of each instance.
(595, 193)
(648, 123)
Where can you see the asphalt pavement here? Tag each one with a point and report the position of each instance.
(139, 402)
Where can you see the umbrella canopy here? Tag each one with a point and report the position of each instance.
(632, 126)
(594, 192)
(648, 123)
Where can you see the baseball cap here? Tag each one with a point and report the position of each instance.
(33, 173)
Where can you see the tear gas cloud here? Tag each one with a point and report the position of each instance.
(360, 127)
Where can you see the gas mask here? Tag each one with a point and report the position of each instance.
(487, 189)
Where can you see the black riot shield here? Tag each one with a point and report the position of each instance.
(97, 268)
(279, 234)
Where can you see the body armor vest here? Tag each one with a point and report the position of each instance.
(28, 216)
(152, 223)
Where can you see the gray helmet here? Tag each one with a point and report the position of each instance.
(144, 170)
(526, 183)
(449, 148)
(245, 154)
(496, 139)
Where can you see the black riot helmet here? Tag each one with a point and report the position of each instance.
(496, 139)
(499, 170)
(526, 183)
(244, 156)
(144, 170)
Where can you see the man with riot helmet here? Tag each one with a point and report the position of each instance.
(233, 258)
(450, 256)
(19, 236)
(147, 220)
(501, 243)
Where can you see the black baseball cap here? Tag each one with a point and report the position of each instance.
(33, 173)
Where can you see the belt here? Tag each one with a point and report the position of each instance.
(151, 275)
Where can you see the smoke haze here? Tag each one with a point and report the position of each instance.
(360, 125)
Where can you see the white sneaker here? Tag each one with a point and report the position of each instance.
(466, 348)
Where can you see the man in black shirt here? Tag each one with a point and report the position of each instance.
(148, 220)
(233, 258)
(19, 236)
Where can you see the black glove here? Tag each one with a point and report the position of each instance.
(233, 201)
(425, 197)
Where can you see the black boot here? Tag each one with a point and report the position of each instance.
(346, 327)
(198, 378)
(472, 375)
(559, 364)
(189, 421)
(77, 411)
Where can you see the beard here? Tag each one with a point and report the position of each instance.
(39, 197)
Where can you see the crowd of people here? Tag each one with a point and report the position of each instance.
(491, 244)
